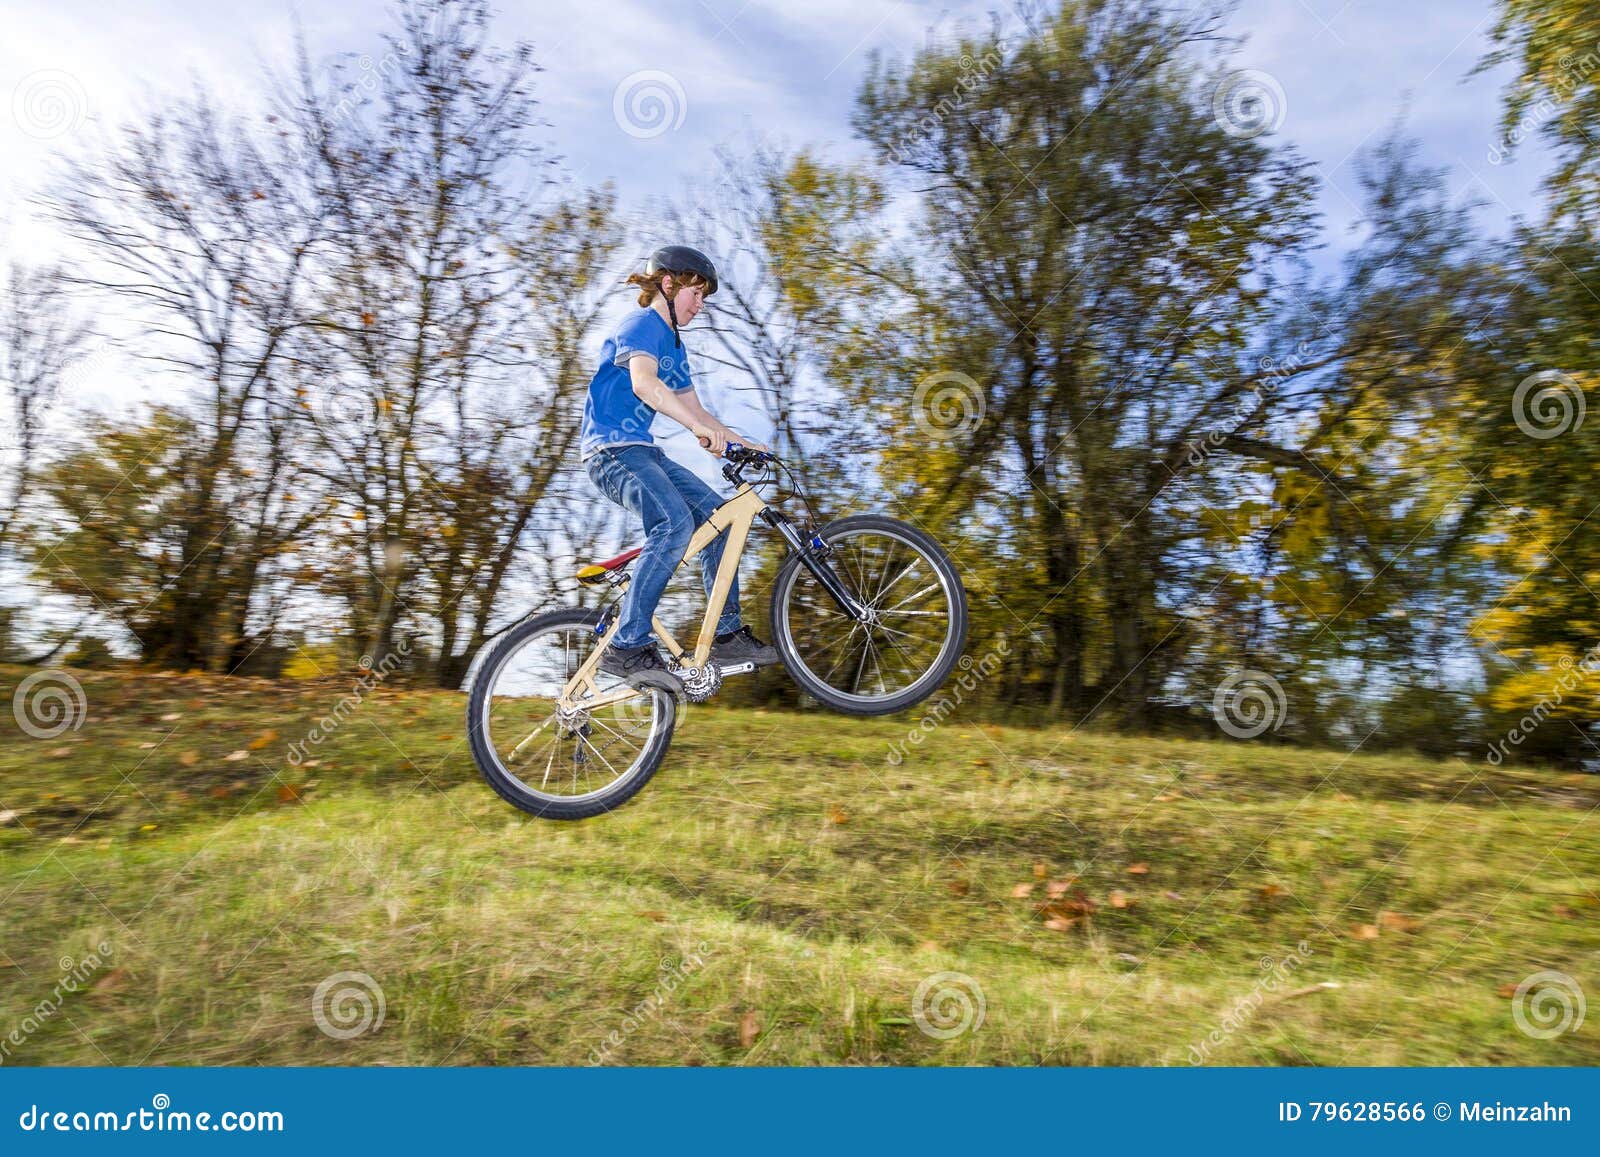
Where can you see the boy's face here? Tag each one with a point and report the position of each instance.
(689, 300)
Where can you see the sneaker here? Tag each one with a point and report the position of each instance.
(742, 646)
(640, 666)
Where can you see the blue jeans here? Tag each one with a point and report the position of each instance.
(673, 503)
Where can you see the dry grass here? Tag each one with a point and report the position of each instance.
(811, 886)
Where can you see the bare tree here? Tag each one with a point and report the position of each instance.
(195, 222)
(41, 342)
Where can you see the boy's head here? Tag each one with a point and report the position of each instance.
(682, 276)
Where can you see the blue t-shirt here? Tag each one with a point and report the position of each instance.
(614, 415)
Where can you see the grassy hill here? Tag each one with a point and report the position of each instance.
(778, 895)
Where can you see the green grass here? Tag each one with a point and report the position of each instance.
(818, 885)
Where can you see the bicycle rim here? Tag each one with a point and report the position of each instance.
(568, 757)
(913, 600)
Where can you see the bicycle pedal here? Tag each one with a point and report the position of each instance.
(737, 668)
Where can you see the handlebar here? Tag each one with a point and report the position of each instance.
(738, 457)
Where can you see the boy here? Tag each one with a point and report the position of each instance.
(644, 369)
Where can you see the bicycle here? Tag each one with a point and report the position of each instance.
(542, 717)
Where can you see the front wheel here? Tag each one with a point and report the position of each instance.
(916, 627)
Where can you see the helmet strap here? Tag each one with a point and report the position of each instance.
(672, 312)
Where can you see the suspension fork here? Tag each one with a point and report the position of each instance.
(810, 555)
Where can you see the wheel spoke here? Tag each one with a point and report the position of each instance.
(886, 658)
(592, 751)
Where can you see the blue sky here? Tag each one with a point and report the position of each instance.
(737, 69)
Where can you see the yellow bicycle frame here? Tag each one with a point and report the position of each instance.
(733, 516)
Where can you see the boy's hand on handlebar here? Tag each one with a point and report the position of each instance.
(713, 438)
(748, 443)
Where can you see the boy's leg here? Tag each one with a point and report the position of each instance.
(701, 500)
(633, 477)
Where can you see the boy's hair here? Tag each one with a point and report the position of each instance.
(650, 283)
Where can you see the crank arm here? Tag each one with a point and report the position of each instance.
(737, 668)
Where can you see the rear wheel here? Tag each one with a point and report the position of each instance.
(562, 765)
(917, 618)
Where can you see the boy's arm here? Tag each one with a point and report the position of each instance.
(682, 407)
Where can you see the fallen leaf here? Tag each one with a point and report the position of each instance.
(58, 752)
(1040, 871)
(219, 792)
(265, 739)
(1119, 898)
(1364, 931)
(837, 814)
(1507, 990)
(1060, 923)
(749, 1029)
(653, 914)
(7, 816)
(1059, 887)
(367, 319)
(189, 758)
(289, 793)
(1396, 922)
(1172, 895)
(1560, 910)
(171, 716)
(236, 756)
(1020, 892)
(1321, 986)
(1140, 869)
(1068, 907)
(112, 982)
(1272, 891)
(958, 887)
